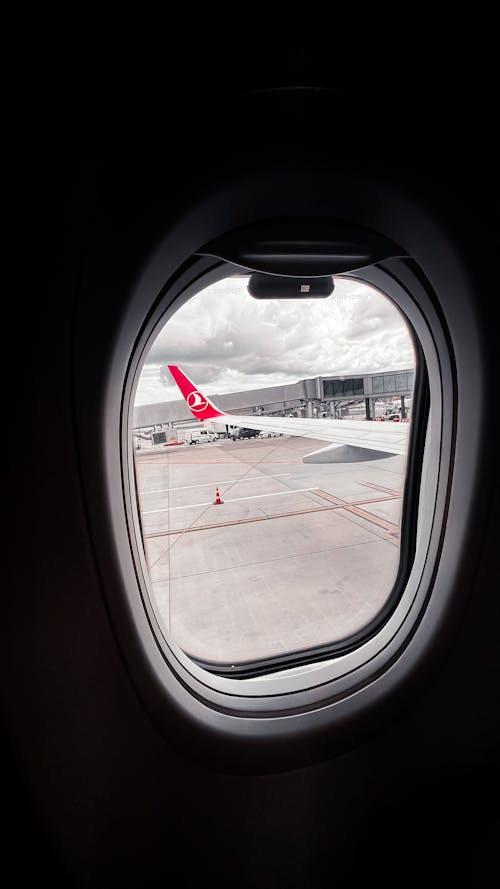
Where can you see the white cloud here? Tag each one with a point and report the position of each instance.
(227, 341)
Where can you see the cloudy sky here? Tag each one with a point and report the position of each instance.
(227, 341)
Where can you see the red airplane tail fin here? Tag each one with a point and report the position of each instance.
(200, 406)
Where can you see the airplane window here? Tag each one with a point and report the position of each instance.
(270, 445)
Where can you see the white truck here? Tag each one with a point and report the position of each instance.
(199, 436)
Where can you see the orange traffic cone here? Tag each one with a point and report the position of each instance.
(217, 498)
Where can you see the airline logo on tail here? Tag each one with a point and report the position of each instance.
(196, 401)
(200, 406)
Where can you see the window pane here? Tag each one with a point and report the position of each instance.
(253, 551)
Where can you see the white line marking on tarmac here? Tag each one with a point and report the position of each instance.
(228, 481)
(232, 500)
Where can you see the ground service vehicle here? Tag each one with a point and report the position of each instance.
(199, 436)
(159, 159)
(244, 432)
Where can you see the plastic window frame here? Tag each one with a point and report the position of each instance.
(316, 684)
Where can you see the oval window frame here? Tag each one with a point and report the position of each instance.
(306, 685)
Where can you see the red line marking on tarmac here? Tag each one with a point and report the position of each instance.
(390, 527)
(263, 518)
(337, 503)
(381, 488)
(331, 497)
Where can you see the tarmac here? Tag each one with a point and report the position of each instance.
(295, 556)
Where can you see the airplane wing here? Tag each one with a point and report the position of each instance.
(349, 441)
